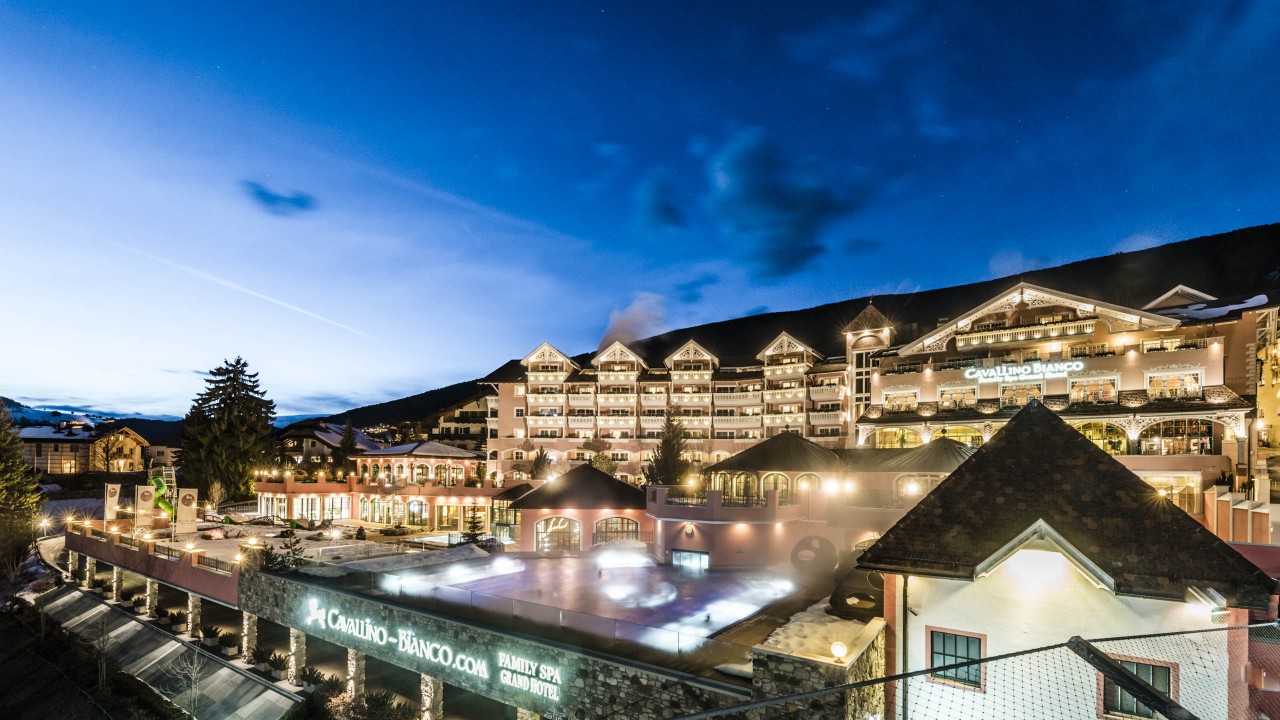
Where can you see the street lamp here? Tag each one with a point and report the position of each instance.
(44, 527)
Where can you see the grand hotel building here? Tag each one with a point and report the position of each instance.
(1163, 385)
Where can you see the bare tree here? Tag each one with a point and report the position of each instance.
(216, 493)
(100, 641)
(188, 670)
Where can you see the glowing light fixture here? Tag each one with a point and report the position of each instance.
(688, 528)
(839, 650)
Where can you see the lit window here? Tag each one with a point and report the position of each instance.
(950, 648)
(1117, 701)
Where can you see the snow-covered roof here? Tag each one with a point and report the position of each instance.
(426, 448)
(56, 434)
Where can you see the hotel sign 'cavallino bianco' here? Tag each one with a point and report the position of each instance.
(516, 672)
(1025, 371)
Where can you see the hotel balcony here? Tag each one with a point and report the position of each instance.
(682, 398)
(546, 378)
(546, 398)
(582, 421)
(726, 399)
(652, 422)
(612, 422)
(293, 484)
(786, 395)
(702, 376)
(795, 420)
(666, 502)
(582, 399)
(649, 399)
(826, 392)
(1026, 333)
(615, 377)
(826, 418)
(546, 421)
(616, 399)
(737, 421)
(788, 370)
(698, 421)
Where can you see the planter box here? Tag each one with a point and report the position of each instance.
(264, 667)
(278, 674)
(165, 621)
(308, 687)
(232, 651)
(209, 642)
(179, 627)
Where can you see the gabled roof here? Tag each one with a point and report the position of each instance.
(1179, 295)
(1117, 317)
(583, 488)
(869, 319)
(691, 350)
(785, 343)
(546, 353)
(617, 352)
(784, 452)
(1038, 472)
(424, 449)
(328, 433)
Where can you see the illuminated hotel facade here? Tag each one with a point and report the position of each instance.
(1162, 388)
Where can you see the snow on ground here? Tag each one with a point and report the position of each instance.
(812, 631)
(56, 510)
(742, 670)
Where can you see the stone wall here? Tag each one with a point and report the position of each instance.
(569, 684)
(776, 674)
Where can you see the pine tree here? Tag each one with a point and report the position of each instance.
(227, 434)
(541, 465)
(346, 448)
(603, 462)
(474, 527)
(19, 495)
(668, 466)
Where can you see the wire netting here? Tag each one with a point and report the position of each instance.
(1215, 673)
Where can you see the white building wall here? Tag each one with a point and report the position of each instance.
(1038, 598)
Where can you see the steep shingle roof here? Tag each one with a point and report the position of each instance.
(582, 488)
(1037, 468)
(427, 449)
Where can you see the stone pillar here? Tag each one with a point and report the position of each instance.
(248, 635)
(117, 582)
(152, 597)
(432, 698)
(193, 614)
(90, 570)
(522, 714)
(355, 673)
(73, 564)
(297, 655)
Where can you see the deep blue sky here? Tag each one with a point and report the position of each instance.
(371, 201)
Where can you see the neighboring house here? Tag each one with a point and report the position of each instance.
(69, 448)
(425, 484)
(161, 436)
(1041, 536)
(309, 444)
(465, 424)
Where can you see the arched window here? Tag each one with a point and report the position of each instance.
(615, 528)
(897, 437)
(374, 472)
(456, 472)
(420, 473)
(1106, 436)
(558, 534)
(781, 483)
(908, 489)
(962, 434)
(399, 470)
(364, 509)
(441, 474)
(1178, 437)
(416, 516)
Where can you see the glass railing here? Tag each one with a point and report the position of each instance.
(684, 644)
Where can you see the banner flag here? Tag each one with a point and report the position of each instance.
(144, 506)
(111, 503)
(188, 506)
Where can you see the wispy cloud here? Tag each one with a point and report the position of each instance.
(276, 203)
(216, 280)
(690, 291)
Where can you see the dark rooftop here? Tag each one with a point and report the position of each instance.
(1037, 468)
(784, 452)
(583, 488)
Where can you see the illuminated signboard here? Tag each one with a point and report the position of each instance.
(516, 672)
(1025, 371)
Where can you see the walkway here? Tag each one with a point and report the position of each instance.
(226, 692)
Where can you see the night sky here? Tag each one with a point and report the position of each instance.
(370, 204)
